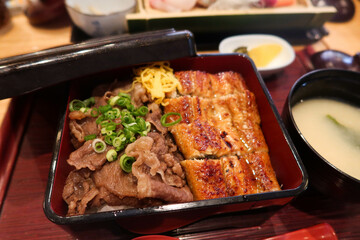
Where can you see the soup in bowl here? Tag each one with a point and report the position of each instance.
(322, 114)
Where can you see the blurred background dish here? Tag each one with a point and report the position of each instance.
(43, 11)
(332, 176)
(345, 9)
(100, 18)
(270, 53)
(335, 59)
(4, 14)
(297, 17)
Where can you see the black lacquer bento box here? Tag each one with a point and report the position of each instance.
(284, 157)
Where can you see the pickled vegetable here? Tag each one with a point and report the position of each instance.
(264, 54)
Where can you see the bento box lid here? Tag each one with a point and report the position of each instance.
(30, 72)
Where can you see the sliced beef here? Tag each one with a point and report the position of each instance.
(115, 180)
(155, 188)
(105, 99)
(154, 116)
(79, 190)
(119, 188)
(166, 152)
(78, 115)
(81, 128)
(107, 197)
(156, 177)
(83, 124)
(86, 157)
(139, 95)
(87, 190)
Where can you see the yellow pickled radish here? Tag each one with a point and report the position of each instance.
(264, 54)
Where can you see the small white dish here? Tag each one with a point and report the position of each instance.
(282, 60)
(100, 18)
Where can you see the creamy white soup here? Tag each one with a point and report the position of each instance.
(333, 130)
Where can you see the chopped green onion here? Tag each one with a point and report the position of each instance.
(126, 163)
(118, 149)
(139, 126)
(116, 112)
(113, 100)
(94, 112)
(351, 135)
(84, 109)
(140, 122)
(122, 102)
(89, 102)
(105, 122)
(100, 119)
(104, 109)
(104, 131)
(127, 117)
(110, 115)
(124, 95)
(141, 111)
(76, 105)
(117, 141)
(130, 136)
(132, 139)
(130, 107)
(133, 127)
(90, 137)
(99, 145)
(109, 139)
(111, 155)
(111, 126)
(165, 116)
(147, 130)
(334, 120)
(119, 132)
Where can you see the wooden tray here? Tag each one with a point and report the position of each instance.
(301, 16)
(33, 162)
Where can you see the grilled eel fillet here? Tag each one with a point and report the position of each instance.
(230, 176)
(217, 126)
(220, 120)
(203, 84)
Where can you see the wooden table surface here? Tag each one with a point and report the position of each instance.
(22, 216)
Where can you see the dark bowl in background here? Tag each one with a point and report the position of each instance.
(335, 84)
(287, 165)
